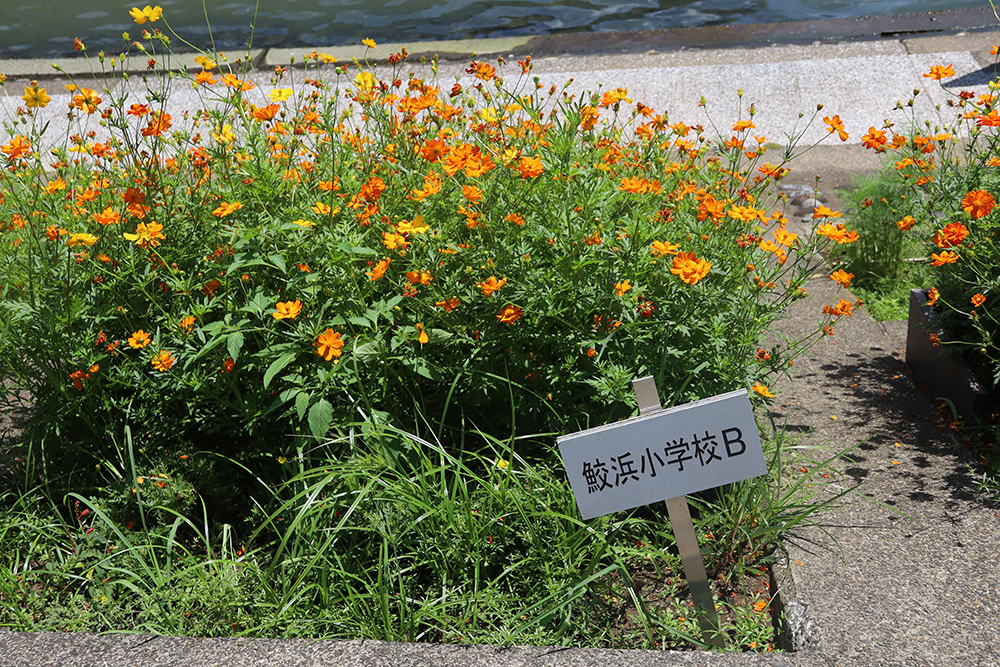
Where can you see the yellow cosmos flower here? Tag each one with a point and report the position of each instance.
(280, 94)
(415, 226)
(147, 13)
(762, 390)
(81, 239)
(365, 81)
(205, 62)
(370, 43)
(146, 236)
(35, 97)
(622, 287)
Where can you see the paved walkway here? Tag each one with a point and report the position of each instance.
(907, 573)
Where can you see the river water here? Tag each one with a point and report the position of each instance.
(46, 28)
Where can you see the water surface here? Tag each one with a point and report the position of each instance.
(47, 28)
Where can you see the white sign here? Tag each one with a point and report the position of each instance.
(663, 454)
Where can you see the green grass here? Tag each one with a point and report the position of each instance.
(429, 546)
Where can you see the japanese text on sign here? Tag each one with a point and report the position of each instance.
(662, 455)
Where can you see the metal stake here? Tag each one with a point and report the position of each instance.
(687, 542)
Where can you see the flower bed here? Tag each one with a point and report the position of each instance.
(950, 175)
(367, 301)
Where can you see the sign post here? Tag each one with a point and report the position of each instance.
(649, 458)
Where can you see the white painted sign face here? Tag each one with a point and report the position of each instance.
(664, 454)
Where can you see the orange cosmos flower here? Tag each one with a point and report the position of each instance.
(147, 13)
(689, 268)
(228, 365)
(205, 78)
(978, 203)
(18, 147)
(588, 117)
(946, 257)
(448, 304)
(661, 249)
(139, 339)
(837, 233)
(824, 212)
(491, 285)
(510, 314)
(226, 208)
(785, 237)
(762, 390)
(622, 287)
(418, 277)
(265, 113)
(836, 125)
(232, 82)
(516, 218)
(422, 336)
(614, 97)
(952, 235)
(378, 270)
(287, 310)
(146, 236)
(743, 126)
(939, 72)
(874, 139)
(187, 323)
(472, 193)
(709, 207)
(433, 150)
(530, 167)
(163, 361)
(158, 124)
(108, 216)
(329, 344)
(842, 308)
(906, 223)
(978, 300)
(932, 296)
(841, 277)
(87, 100)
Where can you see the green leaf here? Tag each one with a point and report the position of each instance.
(278, 261)
(277, 365)
(235, 343)
(320, 416)
(360, 321)
(214, 343)
(302, 403)
(371, 351)
(438, 335)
